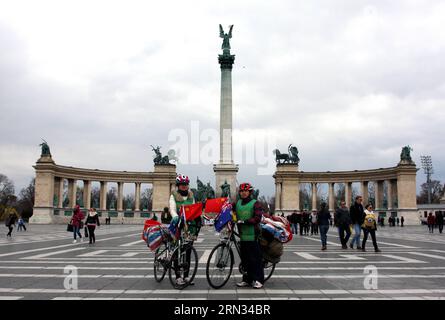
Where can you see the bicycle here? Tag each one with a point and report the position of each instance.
(179, 257)
(223, 259)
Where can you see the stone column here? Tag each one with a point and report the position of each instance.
(389, 194)
(137, 196)
(44, 192)
(72, 191)
(331, 197)
(120, 196)
(364, 191)
(348, 193)
(166, 175)
(406, 193)
(87, 194)
(314, 196)
(103, 195)
(58, 191)
(277, 196)
(290, 196)
(394, 193)
(378, 195)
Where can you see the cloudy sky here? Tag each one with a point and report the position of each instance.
(348, 82)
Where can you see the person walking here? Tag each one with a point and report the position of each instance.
(299, 221)
(430, 222)
(314, 223)
(76, 222)
(294, 222)
(439, 221)
(10, 223)
(21, 224)
(343, 223)
(248, 213)
(369, 227)
(402, 220)
(357, 217)
(398, 221)
(91, 222)
(323, 217)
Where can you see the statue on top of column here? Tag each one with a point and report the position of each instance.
(45, 149)
(226, 36)
(405, 155)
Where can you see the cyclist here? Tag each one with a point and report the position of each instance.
(179, 197)
(248, 214)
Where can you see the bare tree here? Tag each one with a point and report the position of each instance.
(436, 192)
(6, 190)
(95, 197)
(26, 200)
(147, 199)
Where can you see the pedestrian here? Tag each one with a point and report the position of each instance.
(248, 213)
(179, 197)
(314, 223)
(323, 217)
(402, 220)
(307, 219)
(343, 223)
(293, 222)
(299, 221)
(369, 227)
(10, 223)
(430, 222)
(21, 224)
(357, 217)
(76, 222)
(398, 221)
(390, 221)
(91, 222)
(439, 220)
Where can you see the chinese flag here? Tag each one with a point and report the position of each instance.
(214, 205)
(192, 211)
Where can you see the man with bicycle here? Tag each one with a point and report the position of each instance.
(183, 196)
(248, 214)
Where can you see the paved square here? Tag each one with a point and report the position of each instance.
(120, 266)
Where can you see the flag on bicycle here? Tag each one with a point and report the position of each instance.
(191, 211)
(214, 205)
(225, 215)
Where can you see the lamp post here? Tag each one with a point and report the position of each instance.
(427, 166)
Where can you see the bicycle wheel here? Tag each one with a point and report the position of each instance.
(160, 262)
(183, 265)
(269, 268)
(219, 266)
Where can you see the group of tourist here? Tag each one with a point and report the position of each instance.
(11, 221)
(304, 221)
(435, 220)
(90, 224)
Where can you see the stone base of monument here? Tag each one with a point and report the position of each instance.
(42, 215)
(225, 172)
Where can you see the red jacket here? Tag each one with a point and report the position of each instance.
(430, 220)
(77, 218)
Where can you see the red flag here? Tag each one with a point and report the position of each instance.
(214, 205)
(192, 211)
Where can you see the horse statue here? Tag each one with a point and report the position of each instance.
(159, 159)
(405, 155)
(291, 157)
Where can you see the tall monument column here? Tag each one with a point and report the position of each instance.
(225, 169)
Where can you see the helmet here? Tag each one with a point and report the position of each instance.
(245, 186)
(182, 179)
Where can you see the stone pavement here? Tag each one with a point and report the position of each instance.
(120, 266)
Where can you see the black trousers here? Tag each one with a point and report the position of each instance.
(440, 227)
(11, 227)
(252, 260)
(91, 234)
(365, 237)
(341, 230)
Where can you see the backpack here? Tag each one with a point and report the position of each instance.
(369, 222)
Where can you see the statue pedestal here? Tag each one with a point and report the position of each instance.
(287, 192)
(163, 185)
(225, 172)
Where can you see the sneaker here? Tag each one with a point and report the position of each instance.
(359, 248)
(323, 248)
(378, 250)
(257, 285)
(74, 241)
(180, 282)
(344, 247)
(243, 284)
